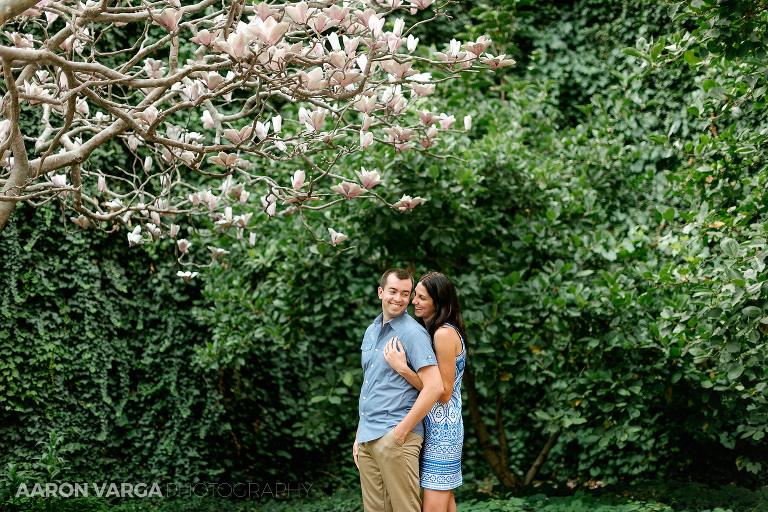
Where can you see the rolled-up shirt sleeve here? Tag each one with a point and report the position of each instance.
(418, 349)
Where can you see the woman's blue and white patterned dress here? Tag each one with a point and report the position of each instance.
(440, 463)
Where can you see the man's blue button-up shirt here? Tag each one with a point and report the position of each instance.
(386, 397)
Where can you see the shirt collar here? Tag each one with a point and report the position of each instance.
(397, 321)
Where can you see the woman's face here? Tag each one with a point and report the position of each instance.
(425, 307)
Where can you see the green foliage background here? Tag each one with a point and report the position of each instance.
(603, 221)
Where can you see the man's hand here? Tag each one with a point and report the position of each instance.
(354, 453)
(400, 432)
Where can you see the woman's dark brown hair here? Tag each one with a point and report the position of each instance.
(446, 301)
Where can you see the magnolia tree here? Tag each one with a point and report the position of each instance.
(198, 94)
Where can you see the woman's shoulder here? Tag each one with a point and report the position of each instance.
(446, 335)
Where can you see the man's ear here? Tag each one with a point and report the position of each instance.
(381, 292)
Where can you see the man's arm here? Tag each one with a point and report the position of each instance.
(354, 452)
(433, 388)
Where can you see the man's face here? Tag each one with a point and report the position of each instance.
(394, 296)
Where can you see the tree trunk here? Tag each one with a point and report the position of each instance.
(499, 462)
(11, 8)
(542, 457)
(20, 170)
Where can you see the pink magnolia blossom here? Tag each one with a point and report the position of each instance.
(262, 130)
(154, 68)
(422, 90)
(154, 231)
(227, 160)
(342, 79)
(277, 124)
(467, 123)
(147, 116)
(243, 220)
(337, 13)
(80, 220)
(338, 59)
(216, 252)
(235, 190)
(133, 142)
(212, 80)
(299, 13)
(446, 121)
(366, 138)
(399, 134)
(369, 179)
(477, 47)
(269, 31)
(205, 37)
(321, 23)
(400, 70)
(408, 203)
(333, 39)
(365, 16)
(59, 180)
(169, 19)
(183, 245)
(348, 190)
(367, 121)
(350, 44)
(210, 199)
(234, 45)
(238, 136)
(313, 80)
(20, 40)
(264, 11)
(35, 93)
(297, 181)
(497, 62)
(411, 43)
(336, 237)
(134, 237)
(186, 275)
(114, 205)
(316, 119)
(394, 42)
(207, 120)
(82, 107)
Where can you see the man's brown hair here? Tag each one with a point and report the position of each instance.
(400, 273)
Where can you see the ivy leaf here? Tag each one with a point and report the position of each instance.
(730, 247)
(691, 58)
(633, 52)
(735, 370)
(752, 311)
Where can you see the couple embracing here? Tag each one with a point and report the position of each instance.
(412, 370)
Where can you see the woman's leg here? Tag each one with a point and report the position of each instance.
(452, 503)
(438, 501)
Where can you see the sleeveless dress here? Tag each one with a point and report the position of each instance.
(440, 463)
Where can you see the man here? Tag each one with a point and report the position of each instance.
(390, 432)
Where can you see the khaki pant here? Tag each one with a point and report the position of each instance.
(389, 473)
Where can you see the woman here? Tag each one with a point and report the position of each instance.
(437, 308)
